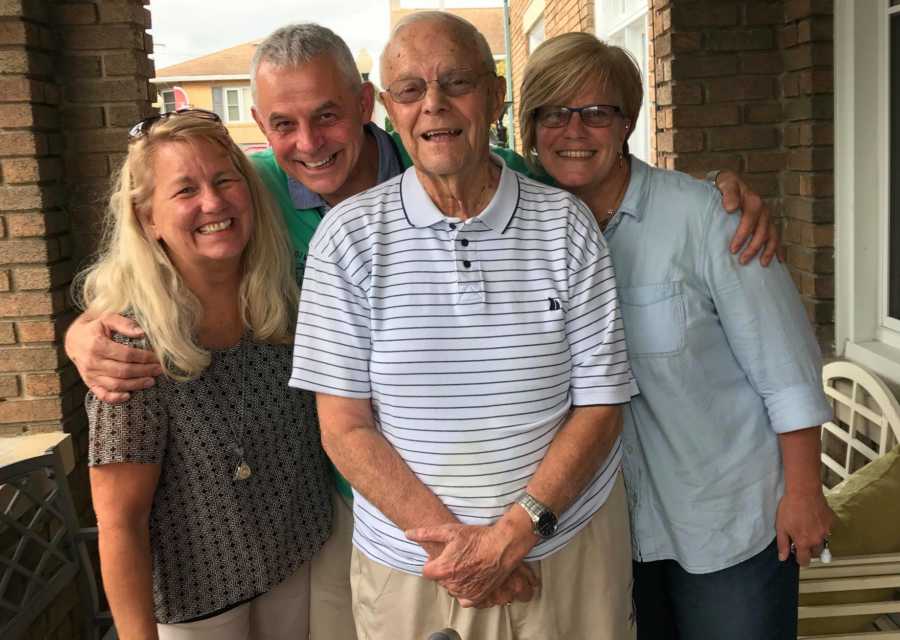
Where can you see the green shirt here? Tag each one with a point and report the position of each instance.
(302, 223)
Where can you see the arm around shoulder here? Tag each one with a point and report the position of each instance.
(109, 369)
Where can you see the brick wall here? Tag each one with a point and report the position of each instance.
(746, 85)
(563, 16)
(806, 41)
(73, 77)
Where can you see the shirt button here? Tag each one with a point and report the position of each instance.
(452, 226)
(465, 242)
(467, 264)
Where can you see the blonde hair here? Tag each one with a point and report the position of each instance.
(133, 273)
(561, 67)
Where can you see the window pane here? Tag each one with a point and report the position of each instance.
(232, 105)
(168, 101)
(894, 237)
(536, 34)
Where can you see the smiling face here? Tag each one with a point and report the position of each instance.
(201, 210)
(313, 119)
(445, 136)
(578, 157)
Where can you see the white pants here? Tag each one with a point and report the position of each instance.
(279, 614)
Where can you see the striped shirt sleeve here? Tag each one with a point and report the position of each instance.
(332, 342)
(601, 373)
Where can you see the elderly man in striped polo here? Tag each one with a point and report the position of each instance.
(460, 326)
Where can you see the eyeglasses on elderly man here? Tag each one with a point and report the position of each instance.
(455, 83)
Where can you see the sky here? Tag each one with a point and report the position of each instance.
(185, 29)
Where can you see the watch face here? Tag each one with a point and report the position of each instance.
(546, 524)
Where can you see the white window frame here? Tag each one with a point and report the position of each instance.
(162, 100)
(863, 331)
(612, 17)
(536, 34)
(243, 105)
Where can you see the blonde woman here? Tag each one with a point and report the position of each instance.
(211, 489)
(722, 444)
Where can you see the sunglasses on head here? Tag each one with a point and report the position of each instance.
(143, 127)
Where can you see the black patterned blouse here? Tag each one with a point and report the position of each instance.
(217, 540)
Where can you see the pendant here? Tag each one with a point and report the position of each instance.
(243, 471)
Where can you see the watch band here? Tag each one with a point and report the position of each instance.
(543, 520)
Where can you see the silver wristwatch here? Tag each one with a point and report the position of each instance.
(544, 521)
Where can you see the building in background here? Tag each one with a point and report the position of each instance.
(218, 82)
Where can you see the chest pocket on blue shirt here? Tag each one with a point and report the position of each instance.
(654, 318)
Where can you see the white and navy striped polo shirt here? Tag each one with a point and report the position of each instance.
(472, 338)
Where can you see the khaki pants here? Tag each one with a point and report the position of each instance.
(585, 593)
(282, 613)
(330, 607)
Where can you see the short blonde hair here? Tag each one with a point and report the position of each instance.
(561, 67)
(134, 275)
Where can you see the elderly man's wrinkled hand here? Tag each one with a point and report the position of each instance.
(521, 586)
(475, 562)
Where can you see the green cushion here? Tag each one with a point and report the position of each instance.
(867, 506)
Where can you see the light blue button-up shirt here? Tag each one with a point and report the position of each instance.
(725, 360)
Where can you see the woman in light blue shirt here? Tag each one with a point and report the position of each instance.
(722, 445)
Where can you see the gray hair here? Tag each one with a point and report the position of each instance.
(296, 44)
(460, 26)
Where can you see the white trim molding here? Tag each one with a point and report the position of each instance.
(532, 14)
(861, 152)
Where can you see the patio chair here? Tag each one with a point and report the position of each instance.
(856, 597)
(866, 422)
(42, 548)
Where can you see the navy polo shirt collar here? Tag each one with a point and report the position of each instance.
(422, 212)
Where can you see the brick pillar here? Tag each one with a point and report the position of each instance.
(806, 38)
(35, 246)
(73, 76)
(716, 73)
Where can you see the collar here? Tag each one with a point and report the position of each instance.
(389, 165)
(422, 212)
(638, 187)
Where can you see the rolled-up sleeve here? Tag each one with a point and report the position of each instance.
(766, 327)
(601, 373)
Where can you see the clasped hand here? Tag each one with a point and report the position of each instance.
(480, 566)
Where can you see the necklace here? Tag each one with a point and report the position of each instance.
(615, 203)
(242, 471)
